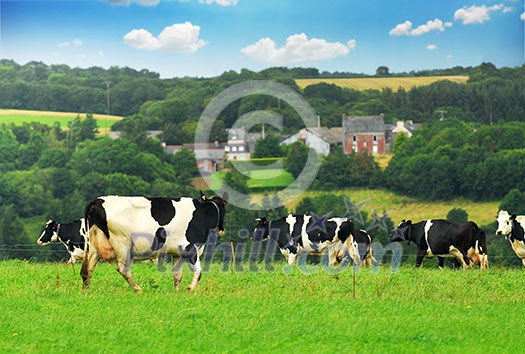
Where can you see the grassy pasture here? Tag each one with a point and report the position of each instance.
(379, 83)
(18, 117)
(45, 310)
(401, 207)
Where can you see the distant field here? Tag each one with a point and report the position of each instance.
(401, 207)
(18, 117)
(376, 83)
(271, 178)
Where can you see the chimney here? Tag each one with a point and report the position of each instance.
(318, 121)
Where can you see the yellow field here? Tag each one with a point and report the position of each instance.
(379, 83)
(19, 117)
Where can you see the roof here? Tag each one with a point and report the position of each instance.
(331, 136)
(364, 124)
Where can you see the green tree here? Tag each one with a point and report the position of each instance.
(12, 234)
(296, 158)
(514, 202)
(268, 147)
(457, 215)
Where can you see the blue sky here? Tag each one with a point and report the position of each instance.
(207, 37)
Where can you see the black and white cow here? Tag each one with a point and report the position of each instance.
(445, 239)
(296, 234)
(71, 235)
(126, 228)
(362, 246)
(513, 228)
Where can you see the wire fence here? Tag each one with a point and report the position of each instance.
(230, 252)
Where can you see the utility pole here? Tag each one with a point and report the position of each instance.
(108, 83)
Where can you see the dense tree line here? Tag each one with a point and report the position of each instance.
(453, 158)
(174, 105)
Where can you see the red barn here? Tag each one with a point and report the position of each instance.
(365, 134)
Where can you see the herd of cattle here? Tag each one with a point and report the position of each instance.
(121, 229)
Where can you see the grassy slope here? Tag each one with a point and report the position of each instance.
(401, 207)
(18, 117)
(376, 83)
(412, 310)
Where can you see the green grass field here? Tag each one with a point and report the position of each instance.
(267, 178)
(44, 310)
(18, 117)
(379, 83)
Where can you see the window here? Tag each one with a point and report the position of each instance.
(234, 148)
(227, 148)
(375, 138)
(374, 149)
(354, 138)
(241, 148)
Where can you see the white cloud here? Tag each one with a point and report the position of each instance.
(180, 37)
(436, 25)
(298, 48)
(75, 43)
(478, 14)
(220, 2)
(523, 16)
(138, 2)
(431, 47)
(405, 28)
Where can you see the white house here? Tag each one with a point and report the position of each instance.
(237, 147)
(320, 139)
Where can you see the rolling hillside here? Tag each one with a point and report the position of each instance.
(378, 83)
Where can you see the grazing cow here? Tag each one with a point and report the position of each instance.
(444, 238)
(362, 246)
(513, 228)
(296, 234)
(71, 235)
(126, 228)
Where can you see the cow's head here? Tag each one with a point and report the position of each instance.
(50, 233)
(220, 202)
(262, 231)
(504, 220)
(402, 232)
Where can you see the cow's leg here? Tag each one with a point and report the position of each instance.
(124, 268)
(441, 262)
(292, 257)
(332, 256)
(368, 259)
(177, 271)
(192, 255)
(88, 265)
(484, 261)
(459, 256)
(420, 255)
(122, 252)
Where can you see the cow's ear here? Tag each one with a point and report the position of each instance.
(409, 222)
(513, 217)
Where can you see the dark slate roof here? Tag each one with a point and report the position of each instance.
(364, 124)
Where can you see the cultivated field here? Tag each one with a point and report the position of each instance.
(44, 310)
(376, 83)
(18, 117)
